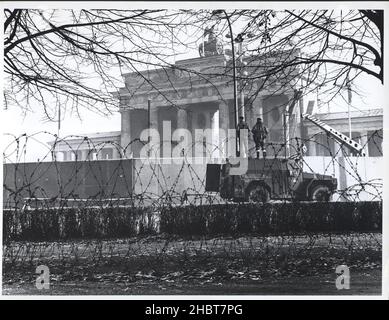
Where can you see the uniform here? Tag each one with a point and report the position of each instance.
(259, 134)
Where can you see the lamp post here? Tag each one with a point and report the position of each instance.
(217, 12)
(238, 39)
(59, 121)
(348, 107)
(148, 123)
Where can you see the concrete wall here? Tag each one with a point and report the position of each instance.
(67, 180)
(362, 177)
(156, 179)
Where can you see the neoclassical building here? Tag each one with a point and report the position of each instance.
(198, 93)
(367, 129)
(93, 146)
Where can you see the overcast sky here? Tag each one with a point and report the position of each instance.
(16, 122)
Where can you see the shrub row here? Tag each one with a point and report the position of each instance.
(272, 218)
(225, 219)
(77, 223)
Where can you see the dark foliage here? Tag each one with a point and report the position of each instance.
(228, 219)
(77, 223)
(274, 218)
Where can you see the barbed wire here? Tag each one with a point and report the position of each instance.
(148, 217)
(155, 181)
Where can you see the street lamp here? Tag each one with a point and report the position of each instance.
(215, 13)
(238, 39)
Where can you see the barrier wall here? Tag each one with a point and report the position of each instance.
(359, 177)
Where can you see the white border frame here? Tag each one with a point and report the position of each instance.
(217, 5)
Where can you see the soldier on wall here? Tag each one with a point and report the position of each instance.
(260, 133)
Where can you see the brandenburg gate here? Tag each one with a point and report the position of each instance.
(198, 94)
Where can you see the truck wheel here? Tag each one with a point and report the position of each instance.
(257, 193)
(321, 193)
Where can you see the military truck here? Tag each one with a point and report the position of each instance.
(269, 178)
(278, 178)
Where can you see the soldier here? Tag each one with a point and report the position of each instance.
(243, 141)
(259, 134)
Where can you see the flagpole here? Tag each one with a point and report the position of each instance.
(348, 105)
(349, 122)
(59, 120)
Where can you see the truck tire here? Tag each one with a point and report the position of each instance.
(257, 194)
(321, 193)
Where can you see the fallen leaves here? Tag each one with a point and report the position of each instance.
(165, 261)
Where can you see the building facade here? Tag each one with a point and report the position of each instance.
(198, 94)
(366, 129)
(93, 146)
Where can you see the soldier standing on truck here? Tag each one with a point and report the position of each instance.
(242, 139)
(260, 134)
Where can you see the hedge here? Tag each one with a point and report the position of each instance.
(272, 218)
(225, 219)
(78, 223)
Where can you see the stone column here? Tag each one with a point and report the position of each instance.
(125, 137)
(182, 123)
(311, 146)
(342, 180)
(338, 149)
(85, 154)
(79, 155)
(224, 125)
(311, 143)
(256, 111)
(182, 118)
(286, 129)
(224, 115)
(154, 117)
(215, 126)
(115, 152)
(71, 156)
(156, 149)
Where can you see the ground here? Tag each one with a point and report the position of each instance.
(165, 265)
(362, 283)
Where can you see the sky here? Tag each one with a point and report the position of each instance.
(15, 122)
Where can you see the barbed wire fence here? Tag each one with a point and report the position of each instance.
(154, 220)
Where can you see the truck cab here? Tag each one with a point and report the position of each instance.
(269, 178)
